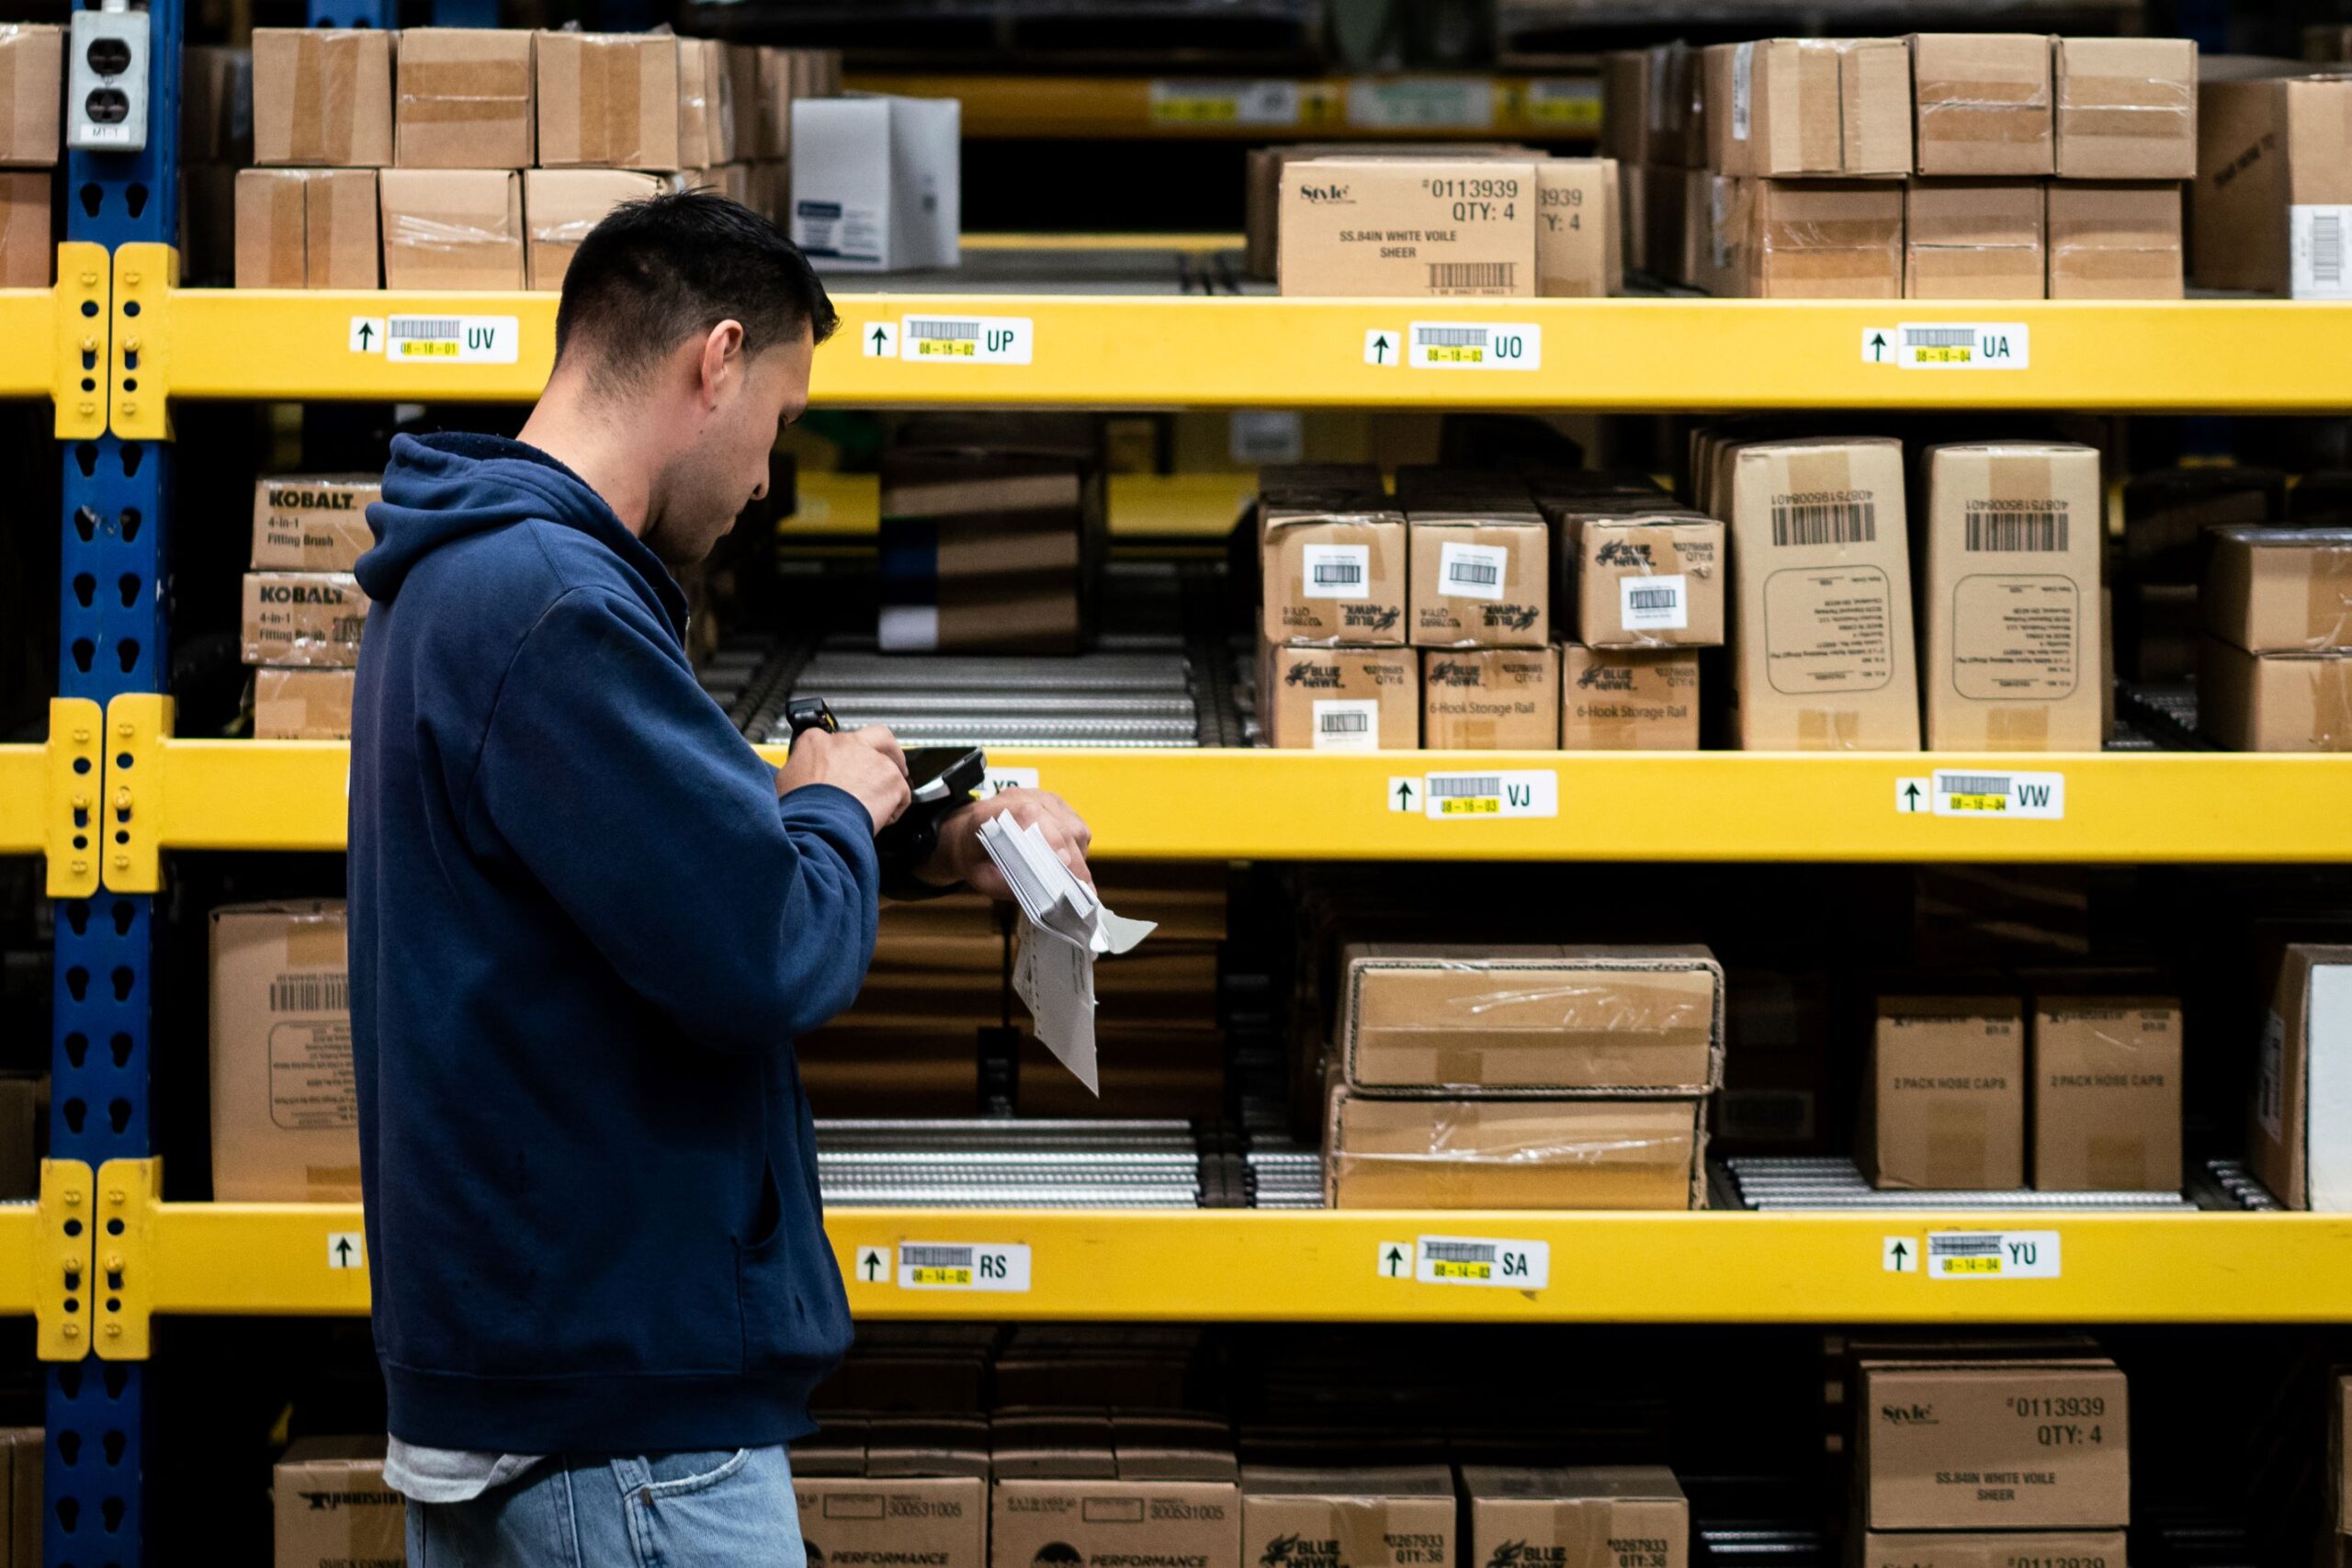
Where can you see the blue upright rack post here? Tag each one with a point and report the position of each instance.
(113, 642)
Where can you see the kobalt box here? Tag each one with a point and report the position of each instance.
(312, 522)
(304, 619)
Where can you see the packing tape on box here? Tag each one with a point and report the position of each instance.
(2331, 704)
(464, 92)
(326, 94)
(1977, 109)
(609, 100)
(1828, 730)
(1820, 138)
(411, 231)
(2327, 621)
(289, 201)
(2150, 107)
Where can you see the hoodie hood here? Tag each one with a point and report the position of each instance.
(440, 489)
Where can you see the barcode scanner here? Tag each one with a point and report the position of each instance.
(941, 777)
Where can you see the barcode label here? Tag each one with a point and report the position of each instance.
(1993, 1255)
(1458, 786)
(1972, 783)
(424, 329)
(1459, 1251)
(933, 1256)
(1743, 80)
(2040, 797)
(963, 340)
(2035, 531)
(1940, 337)
(1473, 346)
(1347, 724)
(1472, 571)
(1839, 522)
(1481, 1260)
(1653, 603)
(1453, 277)
(452, 340)
(2315, 237)
(323, 992)
(951, 1266)
(1455, 798)
(1948, 345)
(1336, 571)
(1985, 1246)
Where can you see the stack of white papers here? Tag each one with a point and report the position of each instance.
(1063, 926)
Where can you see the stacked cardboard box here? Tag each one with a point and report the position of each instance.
(895, 1489)
(2273, 192)
(1594, 1517)
(32, 94)
(332, 1506)
(1447, 227)
(1074, 1487)
(304, 611)
(1387, 1517)
(988, 549)
(216, 141)
(1653, 123)
(2165, 515)
(1478, 607)
(1334, 671)
(1529, 1078)
(285, 1101)
(2275, 667)
(478, 158)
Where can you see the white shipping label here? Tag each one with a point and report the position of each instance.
(1474, 345)
(1343, 723)
(1483, 1260)
(1743, 82)
(2039, 797)
(1002, 779)
(2270, 1077)
(1186, 101)
(2315, 239)
(963, 1265)
(1422, 103)
(1653, 603)
(1336, 571)
(966, 340)
(453, 340)
(1530, 791)
(1948, 345)
(1472, 571)
(1993, 1255)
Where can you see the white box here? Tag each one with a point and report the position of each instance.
(876, 186)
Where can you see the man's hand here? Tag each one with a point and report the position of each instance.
(866, 762)
(961, 858)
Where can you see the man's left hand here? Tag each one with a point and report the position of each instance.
(960, 857)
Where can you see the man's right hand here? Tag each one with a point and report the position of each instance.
(866, 762)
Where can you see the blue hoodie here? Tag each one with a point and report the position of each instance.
(584, 932)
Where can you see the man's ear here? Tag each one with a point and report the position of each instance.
(722, 357)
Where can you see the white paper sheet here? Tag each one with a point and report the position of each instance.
(1063, 927)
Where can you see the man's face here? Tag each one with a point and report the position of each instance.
(723, 467)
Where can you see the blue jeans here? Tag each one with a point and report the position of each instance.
(728, 1509)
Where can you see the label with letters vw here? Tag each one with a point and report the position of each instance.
(1993, 1255)
(1482, 1260)
(963, 1265)
(1958, 791)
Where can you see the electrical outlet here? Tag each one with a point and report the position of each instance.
(106, 86)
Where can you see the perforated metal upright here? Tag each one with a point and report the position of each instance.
(113, 642)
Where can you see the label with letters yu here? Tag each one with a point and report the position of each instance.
(1993, 1255)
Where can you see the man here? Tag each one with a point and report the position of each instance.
(586, 922)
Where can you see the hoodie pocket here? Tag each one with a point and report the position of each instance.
(795, 1317)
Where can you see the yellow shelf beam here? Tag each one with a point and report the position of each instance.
(24, 799)
(1239, 1265)
(53, 342)
(1328, 108)
(50, 797)
(28, 343)
(1244, 804)
(1107, 351)
(1142, 506)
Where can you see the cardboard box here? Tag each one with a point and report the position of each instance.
(452, 229)
(302, 705)
(762, 80)
(1490, 699)
(323, 96)
(1711, 248)
(1650, 107)
(313, 522)
(708, 121)
(1636, 577)
(1513, 1153)
(1429, 228)
(1974, 240)
(27, 254)
(1390, 1516)
(2106, 1094)
(613, 101)
(1983, 102)
(2126, 108)
(1332, 554)
(307, 228)
(1261, 225)
(1479, 573)
(1605, 1516)
(464, 101)
(917, 1491)
(1578, 247)
(1812, 239)
(2114, 242)
(1629, 699)
(876, 185)
(1340, 699)
(22, 1453)
(304, 619)
(333, 1507)
(1988, 1445)
(1791, 107)
(1997, 1549)
(2274, 702)
(2011, 597)
(285, 1102)
(987, 549)
(32, 94)
(561, 206)
(1822, 650)
(1944, 1103)
(1085, 1519)
(2279, 590)
(216, 105)
(2272, 201)
(1482, 1020)
(2297, 1139)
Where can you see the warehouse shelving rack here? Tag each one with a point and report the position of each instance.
(1449, 106)
(116, 342)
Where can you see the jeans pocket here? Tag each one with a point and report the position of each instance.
(713, 1510)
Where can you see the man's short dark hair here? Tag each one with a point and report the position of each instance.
(657, 272)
